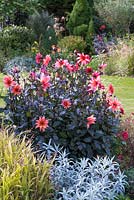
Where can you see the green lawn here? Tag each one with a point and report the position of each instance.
(124, 90)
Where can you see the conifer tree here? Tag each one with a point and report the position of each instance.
(80, 15)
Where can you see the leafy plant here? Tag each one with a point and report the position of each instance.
(80, 15)
(3, 60)
(90, 35)
(71, 43)
(23, 63)
(22, 176)
(42, 25)
(86, 179)
(65, 101)
(130, 178)
(118, 14)
(119, 58)
(14, 39)
(17, 11)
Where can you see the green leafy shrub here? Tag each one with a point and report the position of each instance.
(118, 14)
(66, 97)
(90, 35)
(21, 175)
(80, 15)
(130, 178)
(42, 26)
(14, 39)
(71, 43)
(80, 30)
(3, 60)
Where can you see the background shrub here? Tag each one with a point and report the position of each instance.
(79, 16)
(21, 175)
(42, 25)
(118, 14)
(3, 60)
(15, 40)
(119, 58)
(130, 178)
(71, 43)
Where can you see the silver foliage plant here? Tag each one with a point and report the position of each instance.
(98, 179)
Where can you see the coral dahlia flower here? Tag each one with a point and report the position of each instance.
(46, 60)
(124, 135)
(83, 59)
(90, 120)
(102, 66)
(16, 89)
(38, 58)
(102, 27)
(8, 81)
(60, 63)
(94, 83)
(45, 82)
(114, 104)
(110, 89)
(66, 103)
(42, 123)
(88, 70)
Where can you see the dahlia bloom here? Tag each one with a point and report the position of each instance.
(60, 63)
(8, 81)
(102, 66)
(110, 89)
(45, 82)
(42, 123)
(94, 83)
(124, 135)
(88, 70)
(16, 89)
(46, 60)
(90, 120)
(38, 58)
(66, 103)
(102, 27)
(114, 104)
(83, 59)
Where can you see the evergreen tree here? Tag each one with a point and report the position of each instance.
(80, 15)
(90, 35)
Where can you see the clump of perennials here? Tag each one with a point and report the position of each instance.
(65, 101)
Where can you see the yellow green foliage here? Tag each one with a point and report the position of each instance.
(22, 177)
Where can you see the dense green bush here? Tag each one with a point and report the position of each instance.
(80, 15)
(90, 35)
(15, 40)
(42, 25)
(71, 43)
(81, 30)
(118, 14)
(21, 175)
(3, 60)
(17, 11)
